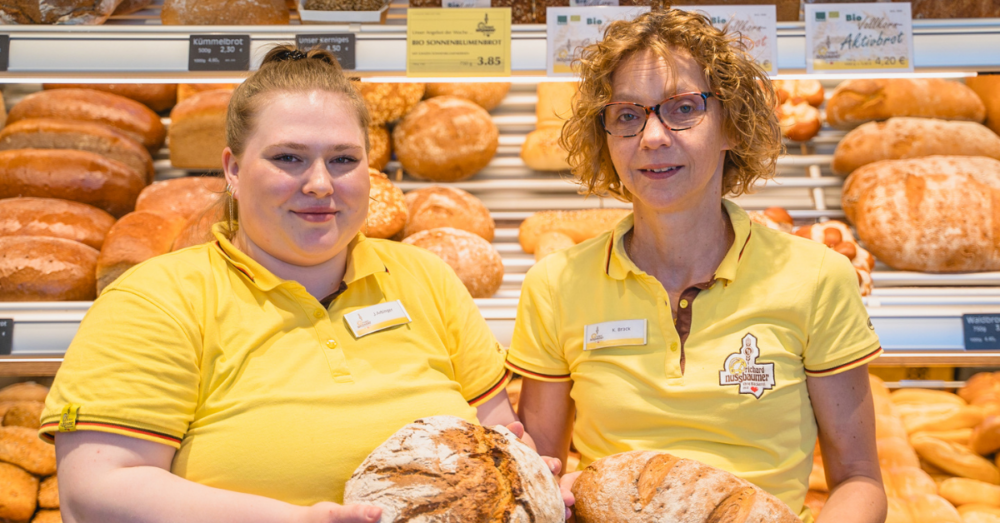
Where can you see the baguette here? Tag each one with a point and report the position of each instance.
(942, 417)
(56, 219)
(895, 452)
(158, 97)
(137, 237)
(963, 491)
(956, 459)
(988, 89)
(185, 197)
(578, 225)
(36, 268)
(855, 102)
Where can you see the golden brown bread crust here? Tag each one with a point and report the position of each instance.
(47, 516)
(555, 102)
(24, 391)
(389, 102)
(21, 446)
(445, 139)
(955, 459)
(381, 147)
(54, 218)
(35, 268)
(222, 12)
(907, 482)
(48, 133)
(799, 122)
(386, 207)
(185, 91)
(984, 385)
(48, 493)
(185, 197)
(158, 97)
(198, 229)
(954, 8)
(965, 491)
(127, 7)
(541, 150)
(985, 437)
(433, 207)
(24, 414)
(198, 130)
(18, 492)
(895, 452)
(550, 242)
(487, 95)
(473, 259)
(858, 101)
(135, 238)
(987, 87)
(132, 118)
(795, 91)
(578, 225)
(70, 175)
(77, 12)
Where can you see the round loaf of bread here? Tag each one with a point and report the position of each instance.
(184, 197)
(389, 102)
(541, 150)
(137, 237)
(381, 147)
(56, 219)
(445, 139)
(38, 268)
(654, 487)
(476, 262)
(434, 207)
(799, 122)
(487, 95)
(198, 229)
(386, 207)
(444, 469)
(158, 97)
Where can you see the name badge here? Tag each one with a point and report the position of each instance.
(377, 317)
(614, 334)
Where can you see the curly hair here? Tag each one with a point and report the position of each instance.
(745, 92)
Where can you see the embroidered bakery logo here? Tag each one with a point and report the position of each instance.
(741, 368)
(485, 27)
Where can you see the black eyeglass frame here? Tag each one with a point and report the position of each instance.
(655, 108)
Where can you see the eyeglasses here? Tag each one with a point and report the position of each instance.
(678, 113)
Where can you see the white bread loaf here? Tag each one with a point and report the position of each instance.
(439, 206)
(38, 268)
(855, 102)
(198, 130)
(54, 218)
(444, 469)
(386, 207)
(445, 139)
(473, 259)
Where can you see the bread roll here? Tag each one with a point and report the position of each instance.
(933, 214)
(551, 242)
(36, 268)
(24, 414)
(381, 147)
(433, 207)
(47, 516)
(956, 459)
(443, 468)
(47, 133)
(555, 102)
(931, 508)
(185, 197)
(963, 491)
(76, 12)
(54, 218)
(386, 207)
(799, 122)
(776, 218)
(653, 487)
(18, 492)
(487, 95)
(474, 260)
(158, 97)
(981, 386)
(128, 116)
(578, 225)
(855, 102)
(985, 438)
(198, 130)
(899, 138)
(185, 91)
(987, 87)
(796, 91)
(137, 237)
(48, 493)
(389, 102)
(24, 391)
(445, 139)
(541, 150)
(895, 452)
(21, 446)
(228, 12)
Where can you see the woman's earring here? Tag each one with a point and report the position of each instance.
(229, 193)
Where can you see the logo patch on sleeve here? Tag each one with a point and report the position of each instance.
(742, 369)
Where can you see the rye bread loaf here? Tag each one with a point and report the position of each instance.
(56, 219)
(987, 87)
(185, 197)
(198, 130)
(198, 229)
(128, 116)
(388, 102)
(158, 97)
(654, 487)
(445, 139)
(855, 102)
(48, 133)
(185, 91)
(487, 95)
(443, 469)
(933, 214)
(37, 268)
(79, 176)
(224, 12)
(386, 207)
(76, 12)
(473, 259)
(135, 238)
(579, 225)
(433, 207)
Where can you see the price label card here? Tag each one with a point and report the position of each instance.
(465, 3)
(458, 42)
(859, 38)
(6, 336)
(573, 28)
(4, 52)
(758, 24)
(341, 45)
(219, 53)
(982, 331)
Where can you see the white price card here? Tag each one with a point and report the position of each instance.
(859, 38)
(758, 25)
(573, 28)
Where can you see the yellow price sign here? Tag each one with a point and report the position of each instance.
(458, 42)
(859, 38)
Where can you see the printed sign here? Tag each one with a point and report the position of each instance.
(859, 38)
(572, 28)
(458, 42)
(377, 317)
(743, 370)
(4, 52)
(341, 45)
(219, 53)
(465, 3)
(756, 23)
(982, 331)
(614, 334)
(6, 336)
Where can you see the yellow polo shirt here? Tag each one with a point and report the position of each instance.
(262, 389)
(726, 383)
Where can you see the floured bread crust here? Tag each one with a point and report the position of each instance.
(386, 207)
(473, 259)
(445, 139)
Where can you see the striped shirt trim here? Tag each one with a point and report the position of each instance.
(504, 380)
(531, 374)
(53, 426)
(855, 363)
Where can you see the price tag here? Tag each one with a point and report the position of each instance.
(982, 331)
(4, 52)
(219, 53)
(341, 45)
(458, 42)
(6, 336)
(572, 28)
(859, 38)
(758, 24)
(465, 3)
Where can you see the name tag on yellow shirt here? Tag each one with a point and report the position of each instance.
(377, 317)
(614, 334)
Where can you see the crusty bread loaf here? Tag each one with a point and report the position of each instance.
(76, 12)
(54, 218)
(982, 386)
(224, 12)
(127, 7)
(48, 133)
(795, 91)
(933, 214)
(185, 91)
(24, 391)
(799, 122)
(38, 268)
(930, 508)
(899, 138)
(960, 436)
(135, 238)
(24, 414)
(386, 207)
(18, 492)
(987, 87)
(895, 452)
(855, 102)
(963, 491)
(381, 147)
(444, 468)
(48, 493)
(907, 482)
(924, 396)
(389, 102)
(158, 97)
(198, 229)
(954, 8)
(579, 225)
(555, 101)
(541, 150)
(21, 446)
(654, 487)
(487, 95)
(445, 139)
(198, 130)
(70, 175)
(947, 417)
(47, 516)
(473, 259)
(433, 207)
(955, 459)
(551, 242)
(132, 118)
(185, 197)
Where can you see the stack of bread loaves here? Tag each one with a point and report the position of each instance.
(541, 150)
(29, 490)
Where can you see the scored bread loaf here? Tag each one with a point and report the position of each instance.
(541, 150)
(54, 218)
(487, 95)
(655, 487)
(388, 102)
(381, 147)
(386, 207)
(955, 459)
(445, 139)
(158, 97)
(932, 214)
(473, 259)
(24, 414)
(988, 89)
(855, 102)
(135, 238)
(433, 207)
(76, 12)
(443, 468)
(578, 225)
(185, 197)
(21, 446)
(198, 130)
(39, 268)
(18, 492)
(128, 116)
(224, 12)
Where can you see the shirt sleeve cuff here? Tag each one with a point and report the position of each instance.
(495, 389)
(535, 372)
(50, 427)
(839, 367)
